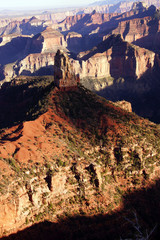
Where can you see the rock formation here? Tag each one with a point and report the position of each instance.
(30, 55)
(63, 72)
(114, 58)
(52, 40)
(132, 25)
(87, 30)
(36, 64)
(125, 105)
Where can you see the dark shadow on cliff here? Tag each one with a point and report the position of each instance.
(138, 14)
(12, 51)
(29, 29)
(75, 44)
(83, 27)
(86, 24)
(151, 42)
(19, 47)
(142, 204)
(143, 93)
(113, 23)
(80, 25)
(103, 46)
(43, 71)
(24, 100)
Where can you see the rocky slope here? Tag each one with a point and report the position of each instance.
(78, 156)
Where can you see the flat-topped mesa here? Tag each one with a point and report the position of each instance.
(64, 75)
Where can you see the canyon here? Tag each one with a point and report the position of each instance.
(110, 52)
(75, 34)
(74, 164)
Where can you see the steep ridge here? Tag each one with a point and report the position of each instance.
(85, 23)
(78, 156)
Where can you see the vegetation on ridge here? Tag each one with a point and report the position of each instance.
(100, 153)
(24, 99)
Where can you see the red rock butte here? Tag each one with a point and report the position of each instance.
(65, 78)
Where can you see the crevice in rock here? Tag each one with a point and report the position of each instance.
(48, 180)
(118, 155)
(126, 31)
(94, 179)
(79, 179)
(29, 192)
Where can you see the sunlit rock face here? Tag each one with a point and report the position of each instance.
(63, 71)
(114, 58)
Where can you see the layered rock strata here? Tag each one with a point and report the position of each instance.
(63, 72)
(114, 58)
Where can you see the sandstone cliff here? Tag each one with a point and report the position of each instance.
(113, 58)
(52, 40)
(36, 64)
(124, 105)
(30, 55)
(64, 76)
(47, 44)
(85, 23)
